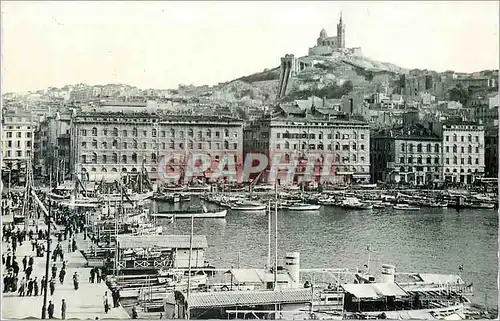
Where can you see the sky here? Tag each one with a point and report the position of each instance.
(162, 44)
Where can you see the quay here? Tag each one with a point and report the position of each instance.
(84, 303)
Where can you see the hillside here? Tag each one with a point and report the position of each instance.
(327, 76)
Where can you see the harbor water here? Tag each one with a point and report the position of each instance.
(432, 240)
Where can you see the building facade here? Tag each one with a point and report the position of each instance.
(463, 151)
(409, 154)
(491, 152)
(17, 137)
(17, 146)
(51, 150)
(105, 144)
(339, 146)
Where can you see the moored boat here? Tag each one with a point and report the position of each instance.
(247, 206)
(355, 204)
(197, 212)
(303, 207)
(405, 207)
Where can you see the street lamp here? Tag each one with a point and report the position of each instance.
(47, 260)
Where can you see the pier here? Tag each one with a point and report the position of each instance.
(84, 303)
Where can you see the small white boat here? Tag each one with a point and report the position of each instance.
(405, 207)
(194, 212)
(355, 204)
(303, 207)
(247, 206)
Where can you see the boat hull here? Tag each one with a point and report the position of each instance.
(219, 214)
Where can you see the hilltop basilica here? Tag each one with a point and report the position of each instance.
(333, 46)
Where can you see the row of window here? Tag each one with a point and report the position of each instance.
(18, 143)
(462, 149)
(114, 158)
(305, 135)
(104, 170)
(337, 158)
(436, 160)
(462, 138)
(337, 146)
(419, 160)
(462, 161)
(154, 133)
(410, 169)
(171, 145)
(19, 134)
(18, 153)
(409, 148)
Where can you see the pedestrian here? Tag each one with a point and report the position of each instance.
(28, 271)
(21, 287)
(69, 244)
(63, 309)
(54, 271)
(35, 286)
(134, 312)
(15, 266)
(92, 275)
(52, 286)
(30, 261)
(98, 274)
(43, 285)
(64, 265)
(62, 274)
(8, 262)
(106, 302)
(33, 244)
(25, 262)
(75, 281)
(74, 245)
(13, 283)
(30, 288)
(6, 283)
(50, 310)
(3, 259)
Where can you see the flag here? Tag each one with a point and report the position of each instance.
(172, 219)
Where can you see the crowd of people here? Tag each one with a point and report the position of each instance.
(24, 282)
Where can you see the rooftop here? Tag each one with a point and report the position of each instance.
(409, 131)
(160, 116)
(374, 290)
(245, 298)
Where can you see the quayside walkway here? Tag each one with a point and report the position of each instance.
(84, 303)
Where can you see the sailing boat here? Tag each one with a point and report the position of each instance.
(365, 276)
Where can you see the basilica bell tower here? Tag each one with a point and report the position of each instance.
(341, 33)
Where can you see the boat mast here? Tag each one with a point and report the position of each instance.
(275, 241)
(368, 248)
(268, 266)
(189, 269)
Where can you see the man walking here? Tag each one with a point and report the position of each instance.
(52, 286)
(63, 310)
(35, 286)
(62, 274)
(50, 310)
(106, 302)
(25, 262)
